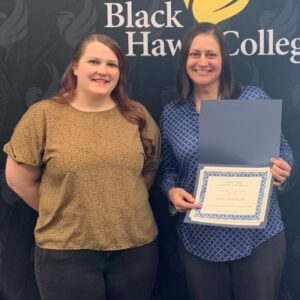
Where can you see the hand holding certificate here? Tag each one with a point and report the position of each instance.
(235, 192)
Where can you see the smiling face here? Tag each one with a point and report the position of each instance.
(204, 62)
(97, 71)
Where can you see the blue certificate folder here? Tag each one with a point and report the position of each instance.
(238, 133)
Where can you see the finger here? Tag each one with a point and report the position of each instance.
(179, 193)
(185, 209)
(184, 195)
(281, 163)
(279, 179)
(276, 171)
(182, 204)
(182, 210)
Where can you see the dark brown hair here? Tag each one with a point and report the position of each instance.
(228, 87)
(131, 112)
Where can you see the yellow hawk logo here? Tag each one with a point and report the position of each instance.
(215, 11)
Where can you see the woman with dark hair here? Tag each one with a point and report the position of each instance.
(85, 160)
(220, 263)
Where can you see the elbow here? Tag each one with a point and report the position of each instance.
(10, 180)
(11, 177)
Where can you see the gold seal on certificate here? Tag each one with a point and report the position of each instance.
(232, 196)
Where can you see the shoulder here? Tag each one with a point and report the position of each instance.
(138, 105)
(43, 112)
(143, 109)
(173, 105)
(174, 112)
(44, 106)
(250, 92)
(35, 119)
(173, 108)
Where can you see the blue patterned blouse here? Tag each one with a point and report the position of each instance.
(179, 129)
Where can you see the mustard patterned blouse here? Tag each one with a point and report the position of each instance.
(92, 192)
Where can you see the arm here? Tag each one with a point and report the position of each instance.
(149, 177)
(179, 198)
(151, 164)
(282, 165)
(24, 181)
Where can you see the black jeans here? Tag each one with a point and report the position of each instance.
(255, 277)
(89, 274)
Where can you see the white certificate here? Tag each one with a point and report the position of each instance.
(232, 196)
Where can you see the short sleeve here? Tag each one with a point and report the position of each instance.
(26, 145)
(286, 154)
(168, 173)
(151, 132)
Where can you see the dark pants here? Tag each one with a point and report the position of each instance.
(254, 277)
(88, 274)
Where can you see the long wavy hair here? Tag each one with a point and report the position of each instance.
(228, 87)
(131, 112)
